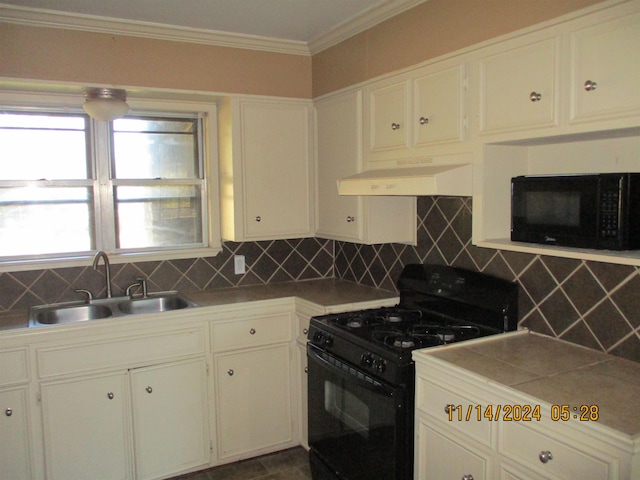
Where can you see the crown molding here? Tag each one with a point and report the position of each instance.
(352, 27)
(90, 23)
(95, 24)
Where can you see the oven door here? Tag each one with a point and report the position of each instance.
(359, 427)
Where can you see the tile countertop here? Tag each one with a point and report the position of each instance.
(323, 292)
(555, 372)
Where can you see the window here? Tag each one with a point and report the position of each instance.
(70, 185)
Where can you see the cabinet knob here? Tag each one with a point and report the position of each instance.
(305, 330)
(110, 395)
(252, 331)
(535, 96)
(8, 412)
(306, 369)
(590, 85)
(395, 126)
(149, 389)
(449, 408)
(545, 456)
(468, 476)
(350, 219)
(230, 372)
(424, 120)
(258, 218)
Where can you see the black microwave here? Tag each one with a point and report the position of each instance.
(599, 211)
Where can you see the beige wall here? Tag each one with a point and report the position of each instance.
(49, 54)
(429, 30)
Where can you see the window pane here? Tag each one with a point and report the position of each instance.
(40, 220)
(158, 216)
(155, 148)
(48, 147)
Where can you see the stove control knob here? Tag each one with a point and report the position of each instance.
(322, 339)
(379, 365)
(366, 360)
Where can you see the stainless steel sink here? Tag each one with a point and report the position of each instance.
(153, 304)
(81, 313)
(73, 312)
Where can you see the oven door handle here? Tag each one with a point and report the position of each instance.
(370, 384)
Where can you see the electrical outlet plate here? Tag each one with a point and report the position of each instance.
(238, 264)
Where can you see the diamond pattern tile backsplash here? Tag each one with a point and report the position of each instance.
(593, 304)
(588, 303)
(266, 262)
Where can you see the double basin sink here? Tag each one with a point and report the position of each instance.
(73, 312)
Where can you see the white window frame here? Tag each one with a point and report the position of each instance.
(33, 102)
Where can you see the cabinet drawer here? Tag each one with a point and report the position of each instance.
(434, 399)
(253, 332)
(526, 446)
(124, 352)
(15, 367)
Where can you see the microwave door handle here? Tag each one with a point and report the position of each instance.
(377, 387)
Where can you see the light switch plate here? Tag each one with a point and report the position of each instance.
(238, 264)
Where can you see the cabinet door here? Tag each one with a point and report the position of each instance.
(606, 70)
(339, 155)
(388, 117)
(439, 456)
(519, 88)
(170, 418)
(437, 108)
(254, 404)
(87, 428)
(276, 175)
(14, 428)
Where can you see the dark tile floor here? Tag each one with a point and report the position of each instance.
(291, 464)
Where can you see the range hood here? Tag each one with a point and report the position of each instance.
(451, 180)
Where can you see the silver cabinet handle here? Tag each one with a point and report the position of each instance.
(468, 476)
(395, 126)
(306, 369)
(424, 120)
(252, 331)
(149, 389)
(110, 395)
(305, 330)
(535, 96)
(350, 219)
(230, 372)
(449, 408)
(258, 218)
(8, 412)
(545, 456)
(590, 85)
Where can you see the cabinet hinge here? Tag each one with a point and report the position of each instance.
(38, 397)
(465, 82)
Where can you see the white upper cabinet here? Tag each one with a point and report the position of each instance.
(605, 70)
(412, 117)
(519, 88)
(352, 218)
(438, 107)
(265, 169)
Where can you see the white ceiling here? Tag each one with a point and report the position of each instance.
(303, 21)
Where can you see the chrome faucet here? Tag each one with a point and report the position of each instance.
(107, 269)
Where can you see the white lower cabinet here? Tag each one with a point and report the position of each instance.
(86, 428)
(443, 457)
(14, 425)
(170, 418)
(459, 436)
(253, 399)
(91, 423)
(253, 383)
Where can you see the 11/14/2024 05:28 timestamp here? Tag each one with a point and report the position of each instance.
(521, 413)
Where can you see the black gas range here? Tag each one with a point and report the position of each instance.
(361, 372)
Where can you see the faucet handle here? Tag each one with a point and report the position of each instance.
(143, 284)
(131, 287)
(85, 292)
